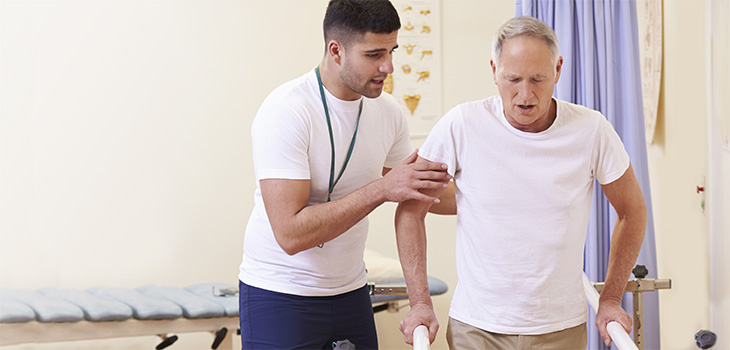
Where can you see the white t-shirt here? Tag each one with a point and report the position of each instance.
(291, 141)
(523, 204)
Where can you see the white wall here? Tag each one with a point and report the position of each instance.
(125, 153)
(718, 183)
(124, 145)
(677, 163)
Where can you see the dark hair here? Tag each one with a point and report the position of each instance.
(347, 21)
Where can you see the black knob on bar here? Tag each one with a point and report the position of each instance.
(640, 271)
(705, 339)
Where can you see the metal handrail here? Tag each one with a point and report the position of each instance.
(420, 338)
(618, 334)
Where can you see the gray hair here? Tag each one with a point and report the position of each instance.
(528, 26)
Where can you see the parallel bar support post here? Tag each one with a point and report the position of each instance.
(639, 319)
(618, 334)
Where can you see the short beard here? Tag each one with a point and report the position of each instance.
(349, 79)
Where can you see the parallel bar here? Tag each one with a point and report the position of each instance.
(420, 338)
(639, 320)
(617, 332)
(641, 285)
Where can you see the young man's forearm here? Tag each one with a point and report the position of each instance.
(317, 224)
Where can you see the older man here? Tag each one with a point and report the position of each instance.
(524, 165)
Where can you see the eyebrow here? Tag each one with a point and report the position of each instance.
(512, 75)
(380, 50)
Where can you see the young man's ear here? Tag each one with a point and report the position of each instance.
(335, 50)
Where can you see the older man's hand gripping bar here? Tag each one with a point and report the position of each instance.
(420, 338)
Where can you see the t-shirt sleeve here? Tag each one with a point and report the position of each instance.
(401, 145)
(612, 161)
(280, 142)
(440, 145)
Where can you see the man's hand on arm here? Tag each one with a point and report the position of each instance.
(626, 197)
(411, 179)
(447, 202)
(298, 226)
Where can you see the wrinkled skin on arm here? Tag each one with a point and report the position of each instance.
(626, 197)
(411, 238)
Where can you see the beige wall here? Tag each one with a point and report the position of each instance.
(678, 163)
(125, 153)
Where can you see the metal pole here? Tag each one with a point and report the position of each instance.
(420, 338)
(639, 319)
(615, 330)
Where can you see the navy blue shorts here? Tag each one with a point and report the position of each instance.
(271, 320)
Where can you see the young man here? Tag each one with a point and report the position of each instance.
(328, 149)
(524, 165)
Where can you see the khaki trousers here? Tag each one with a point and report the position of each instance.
(463, 336)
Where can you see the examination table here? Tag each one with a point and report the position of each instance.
(61, 314)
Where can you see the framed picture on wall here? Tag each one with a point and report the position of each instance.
(416, 79)
(649, 13)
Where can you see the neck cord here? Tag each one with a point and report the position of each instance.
(334, 181)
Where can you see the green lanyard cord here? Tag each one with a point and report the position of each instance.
(334, 181)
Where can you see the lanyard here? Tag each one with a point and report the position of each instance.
(334, 181)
